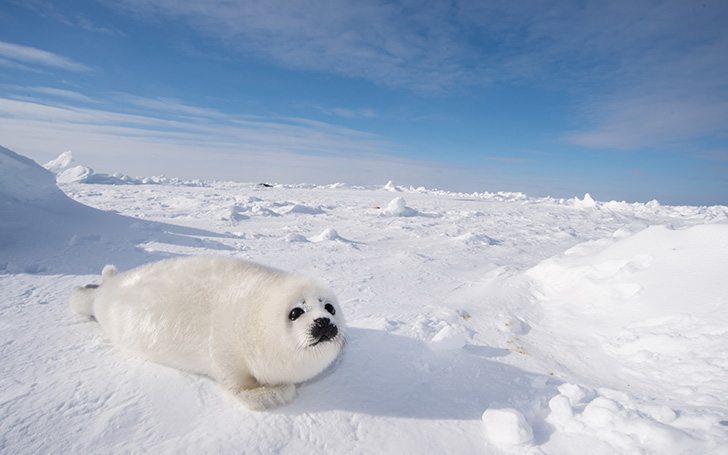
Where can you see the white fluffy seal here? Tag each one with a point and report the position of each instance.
(256, 330)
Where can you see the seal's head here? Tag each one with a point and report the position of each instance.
(319, 326)
(309, 329)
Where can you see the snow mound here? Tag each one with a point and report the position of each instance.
(63, 162)
(295, 238)
(448, 339)
(22, 180)
(42, 230)
(656, 303)
(328, 234)
(472, 238)
(303, 209)
(76, 174)
(390, 187)
(506, 427)
(250, 206)
(36, 218)
(66, 171)
(602, 418)
(586, 203)
(398, 207)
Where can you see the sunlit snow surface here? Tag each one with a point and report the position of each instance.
(480, 323)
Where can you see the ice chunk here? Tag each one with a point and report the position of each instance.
(506, 427)
(398, 207)
(448, 339)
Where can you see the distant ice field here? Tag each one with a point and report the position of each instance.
(480, 323)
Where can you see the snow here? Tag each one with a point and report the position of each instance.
(506, 427)
(66, 172)
(449, 338)
(480, 323)
(398, 207)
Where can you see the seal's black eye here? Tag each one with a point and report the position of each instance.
(295, 313)
(330, 308)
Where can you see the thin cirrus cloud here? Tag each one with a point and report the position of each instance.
(625, 61)
(54, 92)
(276, 149)
(439, 44)
(653, 121)
(25, 55)
(387, 43)
(206, 128)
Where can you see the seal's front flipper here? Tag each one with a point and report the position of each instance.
(266, 396)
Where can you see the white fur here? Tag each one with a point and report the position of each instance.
(220, 317)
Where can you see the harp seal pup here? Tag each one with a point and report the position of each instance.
(256, 330)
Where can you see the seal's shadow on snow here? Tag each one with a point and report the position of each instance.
(391, 375)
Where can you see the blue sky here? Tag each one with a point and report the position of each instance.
(626, 100)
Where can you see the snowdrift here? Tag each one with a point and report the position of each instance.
(67, 171)
(44, 231)
(479, 323)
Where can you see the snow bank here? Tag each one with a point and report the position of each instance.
(66, 171)
(22, 181)
(42, 230)
(648, 314)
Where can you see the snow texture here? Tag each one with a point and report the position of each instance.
(398, 207)
(480, 323)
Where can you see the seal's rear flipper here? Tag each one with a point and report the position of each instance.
(108, 272)
(82, 299)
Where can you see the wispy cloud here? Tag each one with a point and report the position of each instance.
(713, 155)
(54, 92)
(434, 45)
(283, 149)
(389, 43)
(205, 128)
(168, 106)
(656, 73)
(87, 24)
(15, 65)
(645, 72)
(508, 159)
(655, 120)
(60, 13)
(32, 56)
(361, 113)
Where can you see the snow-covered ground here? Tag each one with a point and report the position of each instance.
(479, 323)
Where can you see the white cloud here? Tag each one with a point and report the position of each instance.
(57, 92)
(350, 113)
(15, 65)
(651, 121)
(609, 55)
(33, 56)
(394, 44)
(168, 106)
(73, 126)
(285, 149)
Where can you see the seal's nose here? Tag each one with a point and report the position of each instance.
(323, 329)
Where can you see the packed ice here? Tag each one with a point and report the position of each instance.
(479, 323)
